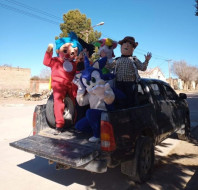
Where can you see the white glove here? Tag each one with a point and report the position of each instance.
(50, 48)
(77, 81)
(101, 90)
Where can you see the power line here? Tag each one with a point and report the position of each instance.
(138, 50)
(143, 52)
(34, 9)
(153, 54)
(27, 13)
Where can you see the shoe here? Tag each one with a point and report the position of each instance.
(94, 139)
(50, 162)
(113, 163)
(58, 131)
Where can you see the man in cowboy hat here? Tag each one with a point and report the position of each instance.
(127, 67)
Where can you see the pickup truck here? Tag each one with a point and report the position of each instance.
(128, 136)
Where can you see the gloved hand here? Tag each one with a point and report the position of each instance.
(77, 81)
(50, 48)
(101, 90)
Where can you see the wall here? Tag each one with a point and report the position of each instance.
(37, 86)
(14, 78)
(178, 84)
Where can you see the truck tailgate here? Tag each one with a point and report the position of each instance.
(72, 151)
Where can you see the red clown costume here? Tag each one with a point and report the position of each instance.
(63, 69)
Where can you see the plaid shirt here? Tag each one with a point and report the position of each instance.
(126, 68)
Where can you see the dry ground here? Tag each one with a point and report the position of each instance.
(15, 100)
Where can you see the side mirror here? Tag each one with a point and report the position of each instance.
(182, 96)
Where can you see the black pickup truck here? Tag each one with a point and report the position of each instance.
(128, 136)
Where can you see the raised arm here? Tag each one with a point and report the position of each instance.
(48, 55)
(143, 66)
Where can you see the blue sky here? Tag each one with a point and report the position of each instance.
(168, 29)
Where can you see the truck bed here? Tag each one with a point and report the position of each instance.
(71, 148)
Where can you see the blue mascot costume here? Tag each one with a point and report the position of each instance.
(95, 91)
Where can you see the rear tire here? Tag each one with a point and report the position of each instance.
(140, 167)
(68, 112)
(143, 159)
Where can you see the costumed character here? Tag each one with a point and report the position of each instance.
(63, 69)
(106, 47)
(127, 67)
(93, 90)
(88, 50)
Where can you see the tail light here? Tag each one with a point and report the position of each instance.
(107, 137)
(34, 123)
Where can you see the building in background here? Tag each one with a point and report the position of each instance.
(39, 85)
(16, 81)
(12, 78)
(154, 73)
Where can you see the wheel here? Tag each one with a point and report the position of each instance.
(68, 112)
(144, 159)
(140, 167)
(143, 162)
(50, 112)
(184, 133)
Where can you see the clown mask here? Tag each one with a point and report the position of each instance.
(67, 52)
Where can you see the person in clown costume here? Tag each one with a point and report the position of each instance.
(63, 69)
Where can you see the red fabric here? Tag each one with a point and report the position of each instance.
(74, 90)
(61, 84)
(58, 73)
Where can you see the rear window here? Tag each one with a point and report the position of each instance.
(157, 91)
(142, 96)
(155, 88)
(140, 90)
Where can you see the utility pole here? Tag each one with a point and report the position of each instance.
(169, 60)
(86, 32)
(169, 73)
